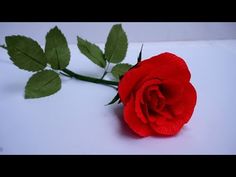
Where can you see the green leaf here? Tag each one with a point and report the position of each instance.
(113, 100)
(3, 46)
(120, 69)
(56, 49)
(116, 45)
(93, 52)
(25, 53)
(42, 84)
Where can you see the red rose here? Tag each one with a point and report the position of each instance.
(157, 95)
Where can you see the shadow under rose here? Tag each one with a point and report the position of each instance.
(124, 129)
(127, 132)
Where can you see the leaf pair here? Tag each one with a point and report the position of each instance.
(28, 55)
(115, 48)
(120, 69)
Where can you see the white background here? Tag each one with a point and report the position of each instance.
(75, 120)
(137, 32)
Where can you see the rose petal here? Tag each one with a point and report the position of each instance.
(189, 100)
(168, 66)
(161, 117)
(172, 126)
(168, 127)
(163, 66)
(141, 107)
(172, 90)
(157, 119)
(154, 98)
(177, 108)
(152, 83)
(134, 122)
(165, 123)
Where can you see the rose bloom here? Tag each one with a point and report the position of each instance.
(157, 95)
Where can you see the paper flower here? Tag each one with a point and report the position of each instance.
(157, 94)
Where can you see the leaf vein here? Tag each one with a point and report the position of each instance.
(34, 59)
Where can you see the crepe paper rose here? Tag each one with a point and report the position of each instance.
(157, 95)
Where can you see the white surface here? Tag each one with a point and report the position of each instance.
(137, 32)
(75, 120)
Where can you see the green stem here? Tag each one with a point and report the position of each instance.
(65, 74)
(89, 79)
(105, 72)
(83, 78)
